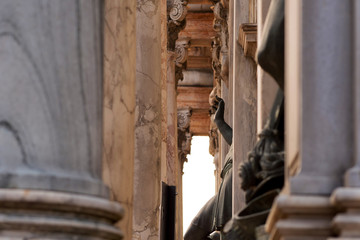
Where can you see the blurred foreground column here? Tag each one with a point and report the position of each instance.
(51, 122)
(347, 198)
(318, 115)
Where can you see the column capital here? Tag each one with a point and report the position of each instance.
(181, 54)
(176, 21)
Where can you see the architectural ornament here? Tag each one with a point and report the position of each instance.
(181, 54)
(176, 20)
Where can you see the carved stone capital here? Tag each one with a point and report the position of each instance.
(176, 21)
(179, 10)
(181, 53)
(184, 116)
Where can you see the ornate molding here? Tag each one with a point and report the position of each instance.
(248, 39)
(176, 21)
(184, 135)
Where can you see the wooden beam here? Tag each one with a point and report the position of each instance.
(200, 123)
(200, 2)
(200, 42)
(195, 97)
(198, 26)
(198, 62)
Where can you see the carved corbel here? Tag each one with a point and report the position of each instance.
(176, 21)
(181, 53)
(184, 135)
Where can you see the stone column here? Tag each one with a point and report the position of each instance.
(147, 169)
(119, 105)
(51, 122)
(318, 115)
(347, 198)
(244, 102)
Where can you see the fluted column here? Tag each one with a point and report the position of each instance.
(147, 169)
(51, 122)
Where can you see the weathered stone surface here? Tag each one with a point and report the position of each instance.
(119, 105)
(245, 106)
(147, 170)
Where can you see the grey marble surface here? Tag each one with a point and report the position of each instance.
(51, 95)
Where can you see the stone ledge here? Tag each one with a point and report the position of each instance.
(346, 223)
(307, 216)
(248, 39)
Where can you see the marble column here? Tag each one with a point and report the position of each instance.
(347, 198)
(119, 105)
(51, 122)
(244, 102)
(318, 114)
(147, 169)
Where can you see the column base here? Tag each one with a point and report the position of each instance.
(57, 181)
(347, 222)
(32, 214)
(300, 217)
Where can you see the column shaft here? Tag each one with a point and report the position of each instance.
(51, 64)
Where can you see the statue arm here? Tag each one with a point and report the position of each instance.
(225, 130)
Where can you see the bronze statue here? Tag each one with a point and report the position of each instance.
(218, 210)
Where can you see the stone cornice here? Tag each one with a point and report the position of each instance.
(248, 39)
